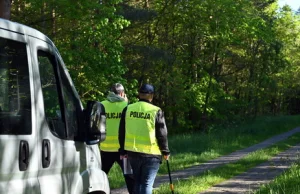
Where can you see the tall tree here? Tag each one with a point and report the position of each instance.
(5, 6)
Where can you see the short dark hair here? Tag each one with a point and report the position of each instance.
(117, 88)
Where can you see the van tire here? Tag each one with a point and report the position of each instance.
(97, 192)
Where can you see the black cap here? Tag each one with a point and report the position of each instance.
(146, 89)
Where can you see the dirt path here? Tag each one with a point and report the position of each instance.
(261, 174)
(238, 184)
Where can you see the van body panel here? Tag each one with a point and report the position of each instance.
(89, 177)
(12, 178)
(24, 30)
(94, 185)
(52, 179)
(58, 163)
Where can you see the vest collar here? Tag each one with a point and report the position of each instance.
(143, 100)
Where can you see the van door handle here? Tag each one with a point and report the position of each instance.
(23, 155)
(46, 153)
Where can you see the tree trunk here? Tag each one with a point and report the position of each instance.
(5, 6)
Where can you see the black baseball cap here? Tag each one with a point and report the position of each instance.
(146, 89)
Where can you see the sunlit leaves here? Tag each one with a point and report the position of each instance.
(86, 33)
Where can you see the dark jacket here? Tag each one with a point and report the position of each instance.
(161, 133)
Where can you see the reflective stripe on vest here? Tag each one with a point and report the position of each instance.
(113, 111)
(140, 128)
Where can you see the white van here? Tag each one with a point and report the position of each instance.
(48, 142)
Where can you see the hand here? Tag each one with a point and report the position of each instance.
(166, 157)
(125, 98)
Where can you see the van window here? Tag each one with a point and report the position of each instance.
(15, 100)
(70, 105)
(59, 101)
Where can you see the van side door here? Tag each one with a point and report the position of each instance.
(18, 136)
(59, 110)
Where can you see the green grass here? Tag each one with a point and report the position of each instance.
(287, 183)
(195, 148)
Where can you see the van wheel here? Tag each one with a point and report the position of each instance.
(97, 192)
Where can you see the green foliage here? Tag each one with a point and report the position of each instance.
(222, 59)
(211, 62)
(87, 34)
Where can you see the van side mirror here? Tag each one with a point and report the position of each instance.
(95, 122)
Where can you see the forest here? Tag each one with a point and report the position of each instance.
(212, 62)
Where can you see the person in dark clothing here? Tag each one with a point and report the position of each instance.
(143, 139)
(114, 104)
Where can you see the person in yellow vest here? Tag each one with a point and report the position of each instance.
(143, 139)
(114, 104)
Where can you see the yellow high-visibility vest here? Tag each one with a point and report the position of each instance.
(140, 128)
(113, 111)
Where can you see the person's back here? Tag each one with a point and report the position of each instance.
(113, 111)
(114, 104)
(141, 115)
(143, 139)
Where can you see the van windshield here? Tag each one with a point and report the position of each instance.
(15, 101)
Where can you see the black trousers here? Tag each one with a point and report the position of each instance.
(108, 160)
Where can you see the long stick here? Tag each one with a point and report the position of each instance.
(171, 184)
